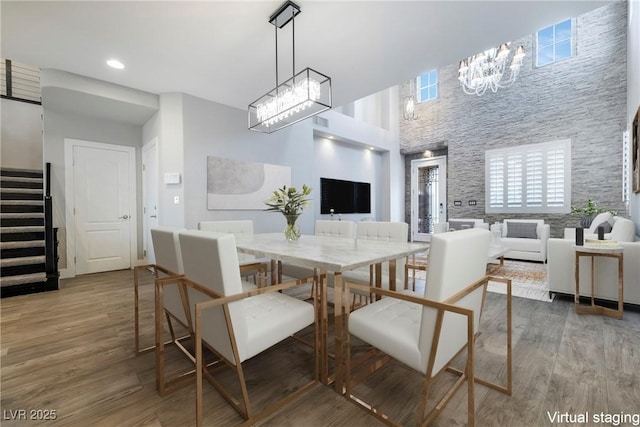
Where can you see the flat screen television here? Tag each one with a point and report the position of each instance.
(344, 196)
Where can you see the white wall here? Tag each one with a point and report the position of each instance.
(212, 129)
(189, 129)
(337, 160)
(633, 88)
(21, 136)
(61, 125)
(358, 130)
(171, 155)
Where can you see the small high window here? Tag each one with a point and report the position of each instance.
(428, 86)
(554, 43)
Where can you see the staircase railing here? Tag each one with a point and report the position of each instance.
(50, 233)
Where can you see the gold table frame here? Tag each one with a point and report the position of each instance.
(592, 252)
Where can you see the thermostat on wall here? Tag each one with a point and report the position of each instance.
(172, 178)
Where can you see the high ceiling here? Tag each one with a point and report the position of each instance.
(224, 51)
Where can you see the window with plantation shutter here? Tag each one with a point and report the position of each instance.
(532, 178)
(514, 180)
(556, 178)
(495, 167)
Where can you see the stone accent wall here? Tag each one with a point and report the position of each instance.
(582, 98)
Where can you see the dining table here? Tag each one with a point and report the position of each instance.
(330, 256)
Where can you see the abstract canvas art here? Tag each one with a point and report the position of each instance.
(239, 185)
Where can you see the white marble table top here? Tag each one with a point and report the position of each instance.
(334, 254)
(605, 249)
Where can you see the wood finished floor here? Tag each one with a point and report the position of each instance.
(72, 351)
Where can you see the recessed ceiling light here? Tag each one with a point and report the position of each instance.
(371, 148)
(330, 137)
(114, 63)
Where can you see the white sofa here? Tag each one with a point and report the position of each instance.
(561, 272)
(459, 224)
(622, 229)
(561, 268)
(525, 241)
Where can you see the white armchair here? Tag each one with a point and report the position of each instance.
(427, 333)
(526, 239)
(234, 325)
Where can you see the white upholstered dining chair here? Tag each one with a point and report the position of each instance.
(427, 333)
(249, 264)
(168, 264)
(380, 231)
(172, 295)
(235, 324)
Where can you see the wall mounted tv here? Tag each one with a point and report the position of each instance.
(344, 196)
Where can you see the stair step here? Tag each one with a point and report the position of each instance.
(22, 244)
(11, 262)
(22, 208)
(22, 236)
(21, 222)
(20, 196)
(21, 215)
(22, 252)
(51, 284)
(22, 279)
(20, 270)
(24, 173)
(11, 183)
(28, 229)
(21, 202)
(14, 178)
(22, 190)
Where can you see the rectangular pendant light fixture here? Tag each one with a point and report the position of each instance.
(305, 94)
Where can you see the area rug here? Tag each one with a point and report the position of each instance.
(528, 279)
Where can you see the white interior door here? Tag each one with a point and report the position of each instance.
(102, 204)
(428, 196)
(149, 196)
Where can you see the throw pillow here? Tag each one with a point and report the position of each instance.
(598, 220)
(525, 230)
(460, 225)
(606, 225)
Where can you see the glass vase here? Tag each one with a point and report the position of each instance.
(292, 232)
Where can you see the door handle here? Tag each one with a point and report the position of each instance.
(124, 217)
(153, 216)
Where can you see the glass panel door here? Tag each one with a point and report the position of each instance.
(428, 196)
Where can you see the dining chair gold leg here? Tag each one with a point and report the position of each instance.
(170, 324)
(199, 368)
(136, 303)
(159, 340)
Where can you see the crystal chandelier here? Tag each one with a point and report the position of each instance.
(486, 70)
(303, 95)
